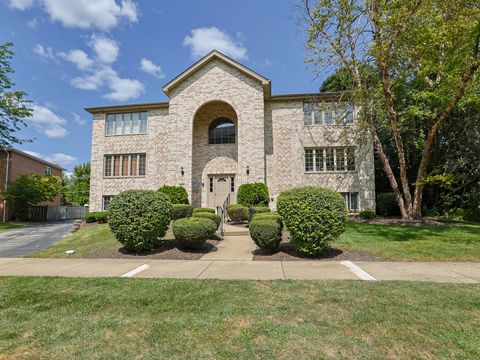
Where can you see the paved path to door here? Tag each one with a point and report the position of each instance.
(25, 240)
(254, 270)
(237, 245)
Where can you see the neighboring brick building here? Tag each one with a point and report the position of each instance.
(20, 163)
(222, 128)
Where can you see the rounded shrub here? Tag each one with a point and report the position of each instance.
(266, 233)
(101, 217)
(257, 210)
(217, 219)
(90, 217)
(272, 215)
(253, 194)
(314, 216)
(192, 233)
(177, 194)
(367, 214)
(139, 218)
(387, 205)
(197, 210)
(237, 213)
(180, 211)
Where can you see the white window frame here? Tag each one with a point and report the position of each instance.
(348, 201)
(119, 127)
(104, 198)
(312, 109)
(48, 170)
(324, 151)
(110, 158)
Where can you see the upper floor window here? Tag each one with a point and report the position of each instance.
(330, 159)
(124, 165)
(327, 113)
(221, 131)
(127, 123)
(48, 170)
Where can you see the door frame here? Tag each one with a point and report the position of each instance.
(214, 200)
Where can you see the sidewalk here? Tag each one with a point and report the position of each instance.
(252, 270)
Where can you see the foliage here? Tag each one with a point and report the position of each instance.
(90, 217)
(367, 214)
(217, 219)
(387, 205)
(314, 216)
(192, 233)
(76, 189)
(13, 105)
(96, 216)
(269, 215)
(177, 194)
(255, 194)
(31, 189)
(237, 213)
(257, 210)
(180, 211)
(196, 210)
(266, 233)
(139, 218)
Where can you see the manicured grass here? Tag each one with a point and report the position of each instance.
(12, 225)
(458, 242)
(151, 318)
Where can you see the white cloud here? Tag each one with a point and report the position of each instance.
(106, 49)
(77, 57)
(20, 4)
(203, 40)
(78, 119)
(44, 120)
(124, 89)
(56, 158)
(33, 24)
(44, 52)
(151, 68)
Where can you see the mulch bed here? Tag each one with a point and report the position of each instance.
(166, 250)
(288, 253)
(398, 221)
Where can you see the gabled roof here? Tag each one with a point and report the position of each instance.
(218, 55)
(48, 163)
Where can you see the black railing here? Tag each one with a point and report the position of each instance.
(222, 211)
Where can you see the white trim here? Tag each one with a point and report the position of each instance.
(358, 271)
(136, 271)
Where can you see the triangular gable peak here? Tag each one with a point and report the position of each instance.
(219, 56)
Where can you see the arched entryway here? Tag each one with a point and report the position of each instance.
(214, 154)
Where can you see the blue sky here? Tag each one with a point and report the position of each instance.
(75, 54)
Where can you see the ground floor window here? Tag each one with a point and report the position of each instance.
(124, 165)
(106, 201)
(351, 201)
(330, 159)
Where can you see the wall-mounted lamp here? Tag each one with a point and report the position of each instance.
(248, 170)
(182, 171)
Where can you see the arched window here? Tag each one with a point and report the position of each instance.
(221, 131)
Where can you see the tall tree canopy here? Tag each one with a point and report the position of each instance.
(76, 188)
(425, 54)
(13, 104)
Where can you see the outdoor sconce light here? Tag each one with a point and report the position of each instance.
(182, 171)
(248, 170)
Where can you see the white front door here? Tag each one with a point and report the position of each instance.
(219, 187)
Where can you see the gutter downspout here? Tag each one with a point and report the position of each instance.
(6, 186)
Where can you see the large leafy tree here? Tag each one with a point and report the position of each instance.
(426, 57)
(13, 104)
(77, 186)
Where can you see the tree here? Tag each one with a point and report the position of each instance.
(77, 186)
(13, 105)
(426, 57)
(31, 189)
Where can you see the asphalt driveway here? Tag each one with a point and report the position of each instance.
(26, 240)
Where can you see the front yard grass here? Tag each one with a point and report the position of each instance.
(12, 225)
(52, 318)
(456, 242)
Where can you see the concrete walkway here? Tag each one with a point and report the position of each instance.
(236, 245)
(468, 273)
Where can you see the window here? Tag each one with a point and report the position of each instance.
(232, 184)
(127, 123)
(351, 201)
(48, 170)
(307, 113)
(210, 186)
(330, 159)
(344, 114)
(221, 131)
(106, 201)
(328, 113)
(124, 165)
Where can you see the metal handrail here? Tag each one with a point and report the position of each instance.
(223, 210)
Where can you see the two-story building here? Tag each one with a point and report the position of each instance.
(221, 128)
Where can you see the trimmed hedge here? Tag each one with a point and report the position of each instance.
(139, 218)
(257, 210)
(314, 216)
(177, 194)
(237, 213)
(197, 210)
(217, 219)
(269, 216)
(387, 205)
(180, 211)
(266, 233)
(255, 194)
(367, 214)
(192, 233)
(96, 216)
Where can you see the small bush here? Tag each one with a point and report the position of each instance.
(90, 217)
(197, 210)
(314, 216)
(96, 216)
(272, 215)
(217, 219)
(255, 194)
(139, 218)
(180, 211)
(177, 194)
(192, 233)
(387, 205)
(266, 233)
(257, 210)
(367, 214)
(237, 213)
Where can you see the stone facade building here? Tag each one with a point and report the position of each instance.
(221, 128)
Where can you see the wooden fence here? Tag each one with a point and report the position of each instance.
(57, 213)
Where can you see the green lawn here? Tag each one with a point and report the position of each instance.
(458, 242)
(12, 225)
(151, 318)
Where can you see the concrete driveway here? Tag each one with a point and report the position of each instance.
(26, 240)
